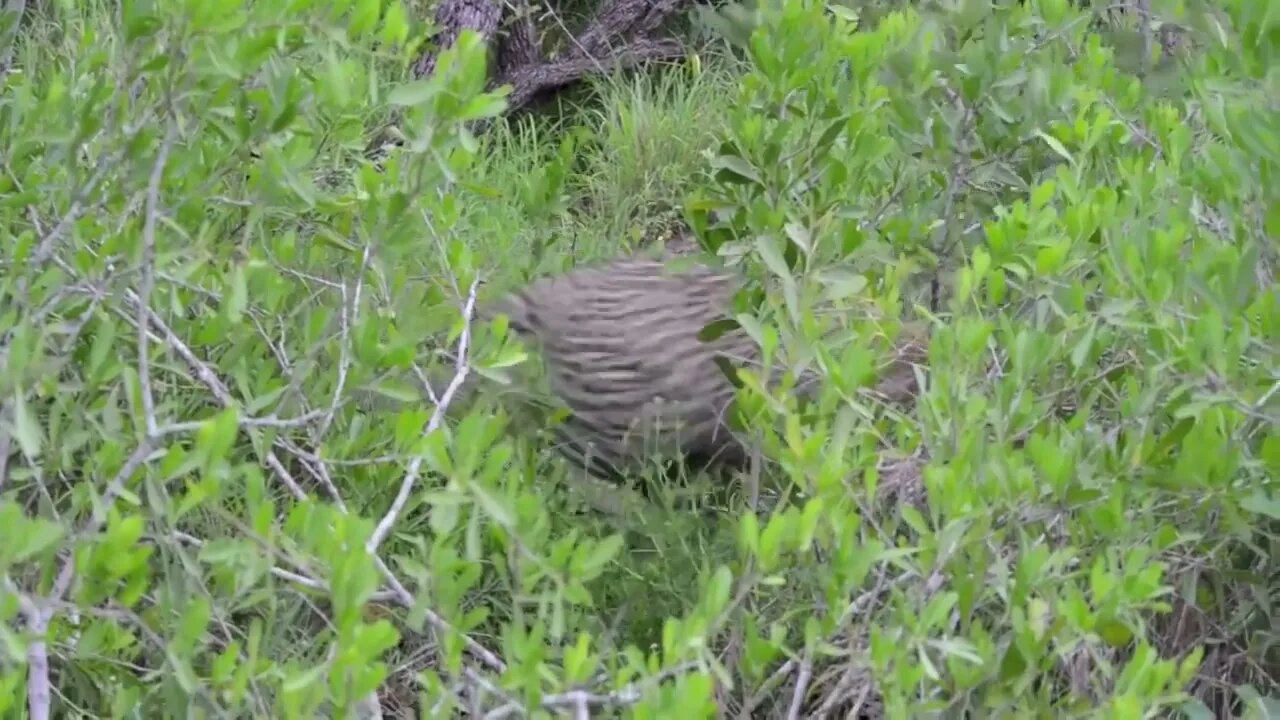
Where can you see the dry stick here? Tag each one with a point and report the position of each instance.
(765, 688)
(528, 82)
(397, 589)
(211, 380)
(402, 594)
(4, 445)
(289, 575)
(1144, 28)
(406, 487)
(270, 421)
(149, 278)
(802, 686)
(627, 695)
(461, 370)
(38, 688)
(349, 310)
(942, 244)
(45, 248)
(40, 614)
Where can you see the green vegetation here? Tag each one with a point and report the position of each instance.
(206, 277)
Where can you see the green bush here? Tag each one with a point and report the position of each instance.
(1110, 310)
(207, 280)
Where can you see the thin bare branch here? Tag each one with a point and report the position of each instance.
(406, 599)
(350, 313)
(943, 242)
(461, 369)
(622, 697)
(5, 440)
(148, 276)
(531, 81)
(767, 687)
(802, 687)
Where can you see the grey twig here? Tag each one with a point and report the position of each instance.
(411, 475)
(802, 687)
(149, 277)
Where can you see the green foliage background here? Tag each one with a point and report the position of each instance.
(220, 491)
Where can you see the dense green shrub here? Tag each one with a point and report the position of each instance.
(206, 280)
(1099, 418)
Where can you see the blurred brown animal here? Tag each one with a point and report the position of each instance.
(622, 350)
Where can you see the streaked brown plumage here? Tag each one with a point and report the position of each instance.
(622, 350)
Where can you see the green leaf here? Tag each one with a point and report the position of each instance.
(494, 506)
(1056, 146)
(734, 169)
(799, 235)
(716, 329)
(26, 428)
(395, 24)
(1262, 708)
(413, 93)
(1115, 633)
(400, 391)
(769, 251)
(237, 293)
(603, 553)
(1043, 193)
(1262, 504)
(833, 131)
(578, 662)
(217, 435)
(510, 356)
(748, 533)
(183, 673)
(1080, 353)
(484, 106)
(1012, 665)
(283, 119)
(195, 620)
(729, 370)
(299, 681)
(842, 283)
(363, 18)
(718, 590)
(1272, 222)
(37, 536)
(1195, 710)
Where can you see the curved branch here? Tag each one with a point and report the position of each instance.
(625, 22)
(530, 81)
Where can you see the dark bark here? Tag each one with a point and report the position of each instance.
(521, 46)
(620, 21)
(530, 81)
(454, 16)
(621, 35)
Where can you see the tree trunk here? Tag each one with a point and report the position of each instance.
(621, 35)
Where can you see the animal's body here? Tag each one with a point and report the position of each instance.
(622, 350)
